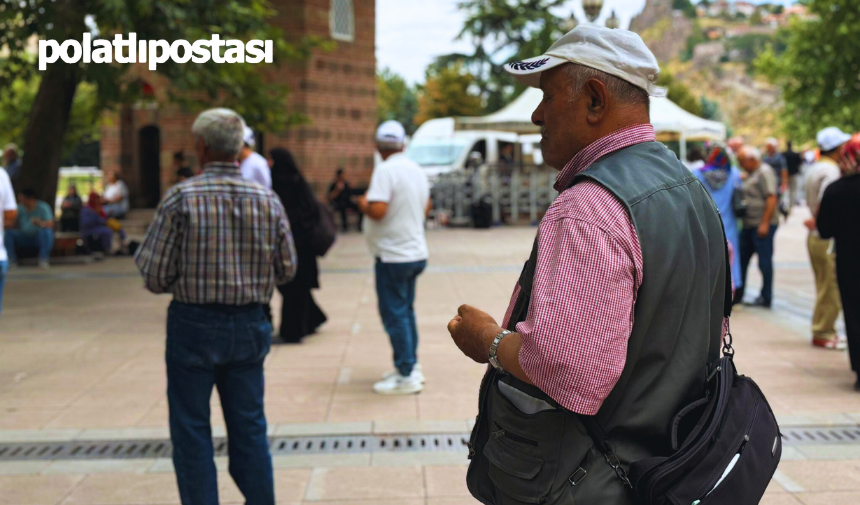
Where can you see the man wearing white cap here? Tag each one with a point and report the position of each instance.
(397, 203)
(253, 165)
(618, 311)
(827, 302)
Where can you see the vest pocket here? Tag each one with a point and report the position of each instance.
(522, 450)
(515, 474)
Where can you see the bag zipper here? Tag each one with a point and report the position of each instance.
(501, 432)
(740, 450)
(657, 472)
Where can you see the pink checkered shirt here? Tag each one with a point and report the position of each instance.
(589, 269)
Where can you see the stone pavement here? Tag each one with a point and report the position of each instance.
(81, 358)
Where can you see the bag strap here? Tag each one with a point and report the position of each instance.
(598, 436)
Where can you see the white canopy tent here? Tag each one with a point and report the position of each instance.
(670, 121)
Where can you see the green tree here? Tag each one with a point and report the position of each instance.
(756, 18)
(395, 99)
(16, 102)
(240, 86)
(502, 31)
(679, 93)
(819, 71)
(686, 6)
(449, 91)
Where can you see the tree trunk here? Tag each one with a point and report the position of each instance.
(43, 138)
(49, 118)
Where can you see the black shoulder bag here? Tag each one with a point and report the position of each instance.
(726, 445)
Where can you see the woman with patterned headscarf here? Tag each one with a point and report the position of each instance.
(838, 215)
(721, 180)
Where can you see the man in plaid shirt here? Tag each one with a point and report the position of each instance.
(219, 244)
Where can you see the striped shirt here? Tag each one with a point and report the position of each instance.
(589, 269)
(218, 238)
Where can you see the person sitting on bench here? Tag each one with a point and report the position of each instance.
(34, 229)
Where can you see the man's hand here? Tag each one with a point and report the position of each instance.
(810, 224)
(763, 230)
(473, 331)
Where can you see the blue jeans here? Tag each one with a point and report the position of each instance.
(224, 347)
(4, 269)
(751, 244)
(395, 290)
(42, 241)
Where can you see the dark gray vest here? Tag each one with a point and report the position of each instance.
(536, 457)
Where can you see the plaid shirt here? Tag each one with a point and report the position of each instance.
(589, 269)
(217, 238)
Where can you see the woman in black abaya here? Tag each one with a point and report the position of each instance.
(300, 315)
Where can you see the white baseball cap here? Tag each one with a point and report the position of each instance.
(391, 132)
(617, 52)
(248, 136)
(830, 138)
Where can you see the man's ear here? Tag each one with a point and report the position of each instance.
(597, 100)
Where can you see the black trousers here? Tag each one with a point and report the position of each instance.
(849, 291)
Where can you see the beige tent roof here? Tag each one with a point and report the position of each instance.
(668, 119)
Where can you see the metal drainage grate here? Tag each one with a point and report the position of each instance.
(336, 444)
(279, 446)
(804, 435)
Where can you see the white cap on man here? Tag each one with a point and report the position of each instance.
(620, 53)
(391, 133)
(830, 138)
(248, 136)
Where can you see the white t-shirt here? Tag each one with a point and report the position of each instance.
(116, 189)
(7, 202)
(255, 168)
(399, 236)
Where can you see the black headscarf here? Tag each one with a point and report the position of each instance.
(295, 193)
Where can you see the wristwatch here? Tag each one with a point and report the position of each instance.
(494, 348)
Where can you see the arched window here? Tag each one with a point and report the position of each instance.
(342, 20)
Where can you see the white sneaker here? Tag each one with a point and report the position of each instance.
(44, 265)
(416, 373)
(398, 385)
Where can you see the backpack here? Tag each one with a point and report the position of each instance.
(324, 232)
(726, 445)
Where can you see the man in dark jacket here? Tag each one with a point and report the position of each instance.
(617, 313)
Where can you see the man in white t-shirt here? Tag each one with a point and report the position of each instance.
(8, 215)
(253, 165)
(397, 204)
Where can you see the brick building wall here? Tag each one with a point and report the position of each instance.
(335, 89)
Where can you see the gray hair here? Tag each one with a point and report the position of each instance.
(771, 141)
(221, 130)
(751, 152)
(623, 91)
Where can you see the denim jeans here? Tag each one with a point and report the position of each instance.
(395, 291)
(751, 244)
(224, 347)
(42, 240)
(4, 269)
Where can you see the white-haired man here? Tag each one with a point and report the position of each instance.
(219, 244)
(396, 204)
(761, 191)
(586, 346)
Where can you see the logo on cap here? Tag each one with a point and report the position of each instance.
(528, 65)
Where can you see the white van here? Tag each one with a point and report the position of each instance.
(441, 149)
